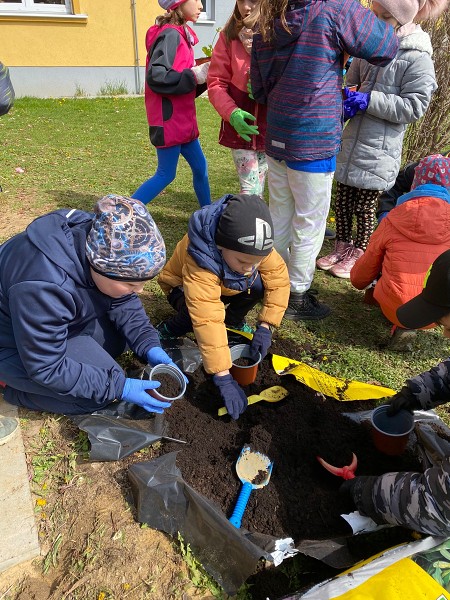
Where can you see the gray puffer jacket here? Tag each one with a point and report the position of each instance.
(371, 150)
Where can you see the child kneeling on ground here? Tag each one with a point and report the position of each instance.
(406, 242)
(69, 305)
(219, 271)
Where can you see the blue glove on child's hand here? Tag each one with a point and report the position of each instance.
(157, 356)
(262, 338)
(134, 391)
(232, 394)
(354, 102)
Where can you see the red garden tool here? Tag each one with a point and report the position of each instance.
(344, 472)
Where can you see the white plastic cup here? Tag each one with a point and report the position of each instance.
(176, 375)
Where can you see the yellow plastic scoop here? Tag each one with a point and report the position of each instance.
(272, 394)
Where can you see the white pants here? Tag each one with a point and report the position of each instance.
(299, 203)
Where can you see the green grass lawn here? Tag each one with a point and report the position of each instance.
(73, 151)
(69, 152)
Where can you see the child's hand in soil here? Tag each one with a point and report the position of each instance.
(134, 391)
(157, 356)
(232, 394)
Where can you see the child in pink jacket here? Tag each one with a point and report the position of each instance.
(243, 124)
(172, 84)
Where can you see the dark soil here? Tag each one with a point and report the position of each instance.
(243, 362)
(170, 387)
(302, 499)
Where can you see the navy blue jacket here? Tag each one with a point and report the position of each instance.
(47, 295)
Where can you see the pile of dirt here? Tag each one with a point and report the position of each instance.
(302, 500)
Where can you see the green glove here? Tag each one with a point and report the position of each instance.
(243, 129)
(249, 90)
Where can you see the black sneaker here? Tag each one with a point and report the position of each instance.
(306, 307)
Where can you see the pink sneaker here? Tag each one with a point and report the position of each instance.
(342, 268)
(340, 250)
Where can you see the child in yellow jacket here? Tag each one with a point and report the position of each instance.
(219, 271)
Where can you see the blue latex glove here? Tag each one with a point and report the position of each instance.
(157, 356)
(134, 391)
(355, 102)
(232, 394)
(262, 338)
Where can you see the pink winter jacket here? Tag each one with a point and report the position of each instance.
(402, 249)
(227, 90)
(171, 85)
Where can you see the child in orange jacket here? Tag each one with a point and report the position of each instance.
(408, 239)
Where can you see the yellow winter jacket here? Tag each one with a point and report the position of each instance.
(203, 289)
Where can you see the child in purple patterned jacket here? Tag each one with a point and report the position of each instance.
(296, 69)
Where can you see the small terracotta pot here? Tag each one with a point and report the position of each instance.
(390, 434)
(176, 375)
(203, 59)
(244, 375)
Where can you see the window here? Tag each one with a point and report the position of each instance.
(208, 11)
(36, 6)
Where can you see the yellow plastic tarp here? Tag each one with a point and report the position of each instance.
(340, 389)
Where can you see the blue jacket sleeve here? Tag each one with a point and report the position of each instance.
(40, 314)
(162, 78)
(130, 318)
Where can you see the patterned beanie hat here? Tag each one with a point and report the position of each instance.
(432, 169)
(245, 226)
(124, 242)
(170, 4)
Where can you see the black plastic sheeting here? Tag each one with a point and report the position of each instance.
(113, 438)
(166, 502)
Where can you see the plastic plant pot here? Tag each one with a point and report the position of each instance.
(243, 374)
(175, 374)
(390, 434)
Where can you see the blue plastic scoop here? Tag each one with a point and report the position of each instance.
(254, 470)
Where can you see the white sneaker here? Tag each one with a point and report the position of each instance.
(8, 427)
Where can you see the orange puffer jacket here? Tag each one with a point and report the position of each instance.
(402, 249)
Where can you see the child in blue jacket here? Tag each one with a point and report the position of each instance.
(69, 305)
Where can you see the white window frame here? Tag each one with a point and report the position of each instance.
(208, 11)
(30, 7)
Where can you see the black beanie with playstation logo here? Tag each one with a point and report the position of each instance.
(245, 226)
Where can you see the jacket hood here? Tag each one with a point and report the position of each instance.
(422, 217)
(295, 19)
(184, 30)
(61, 237)
(203, 249)
(201, 231)
(417, 40)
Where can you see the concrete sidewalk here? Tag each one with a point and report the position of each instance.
(19, 538)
